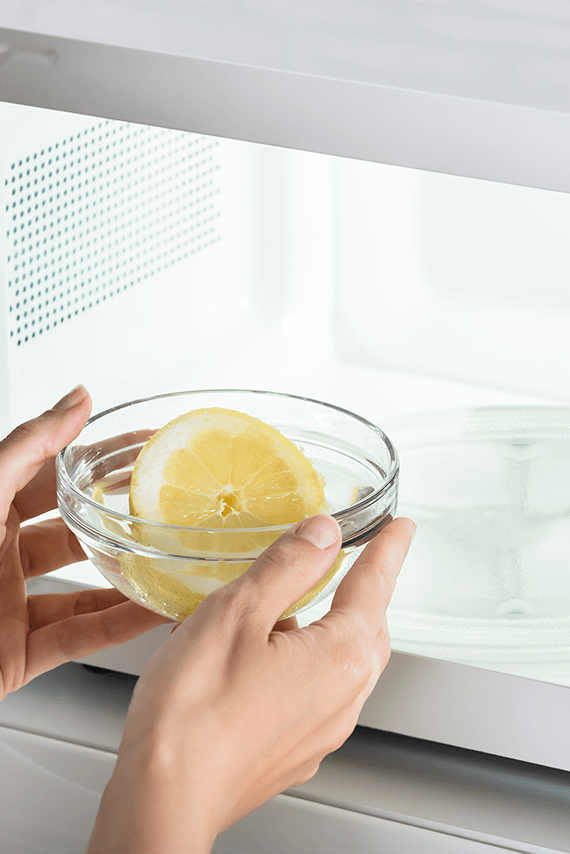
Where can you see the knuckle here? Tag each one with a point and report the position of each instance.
(286, 556)
(383, 638)
(85, 603)
(360, 672)
(355, 659)
(26, 434)
(28, 431)
(385, 587)
(65, 639)
(341, 731)
(383, 645)
(24, 431)
(229, 602)
(307, 774)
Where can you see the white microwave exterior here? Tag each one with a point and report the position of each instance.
(39, 70)
(476, 89)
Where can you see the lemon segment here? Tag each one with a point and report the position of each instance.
(224, 479)
(177, 593)
(217, 469)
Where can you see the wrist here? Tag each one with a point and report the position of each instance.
(155, 803)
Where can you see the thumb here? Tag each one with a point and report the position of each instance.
(292, 565)
(29, 446)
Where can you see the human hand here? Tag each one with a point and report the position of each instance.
(38, 633)
(235, 708)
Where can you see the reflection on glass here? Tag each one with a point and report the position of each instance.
(487, 581)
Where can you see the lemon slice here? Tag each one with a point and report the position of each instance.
(216, 468)
(221, 477)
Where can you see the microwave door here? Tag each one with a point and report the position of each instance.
(149, 248)
(464, 279)
(474, 90)
(276, 269)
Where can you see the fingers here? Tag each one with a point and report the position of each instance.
(289, 624)
(366, 590)
(81, 634)
(362, 648)
(25, 451)
(39, 495)
(46, 546)
(289, 568)
(47, 608)
(380, 658)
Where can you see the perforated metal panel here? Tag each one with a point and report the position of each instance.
(99, 211)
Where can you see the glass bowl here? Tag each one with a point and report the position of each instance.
(170, 569)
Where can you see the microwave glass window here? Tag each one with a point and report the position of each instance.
(486, 582)
(471, 277)
(142, 260)
(469, 281)
(130, 257)
(495, 244)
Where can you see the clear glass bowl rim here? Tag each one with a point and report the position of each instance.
(340, 515)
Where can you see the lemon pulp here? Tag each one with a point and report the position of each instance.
(221, 477)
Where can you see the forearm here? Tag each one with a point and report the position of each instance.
(148, 807)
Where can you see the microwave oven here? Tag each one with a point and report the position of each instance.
(247, 195)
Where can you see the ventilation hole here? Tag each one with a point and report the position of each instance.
(126, 202)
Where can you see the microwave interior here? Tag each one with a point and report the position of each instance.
(140, 260)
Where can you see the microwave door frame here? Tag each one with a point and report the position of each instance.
(452, 134)
(427, 698)
(483, 710)
(440, 701)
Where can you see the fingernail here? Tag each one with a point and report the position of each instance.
(322, 531)
(71, 399)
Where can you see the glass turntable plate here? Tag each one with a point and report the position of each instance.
(487, 580)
